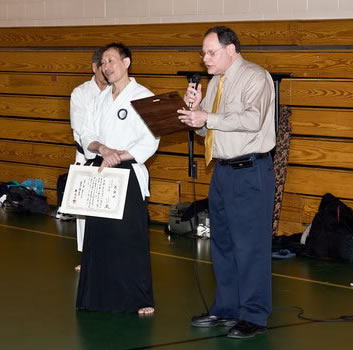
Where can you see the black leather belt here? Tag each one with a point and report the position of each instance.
(79, 148)
(245, 161)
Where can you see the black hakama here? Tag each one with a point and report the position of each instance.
(116, 269)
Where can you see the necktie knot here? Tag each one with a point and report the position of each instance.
(219, 92)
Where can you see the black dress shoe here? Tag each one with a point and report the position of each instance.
(245, 329)
(212, 321)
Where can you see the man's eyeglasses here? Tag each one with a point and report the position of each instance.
(210, 53)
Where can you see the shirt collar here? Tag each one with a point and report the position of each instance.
(234, 67)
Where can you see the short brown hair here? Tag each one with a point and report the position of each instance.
(226, 36)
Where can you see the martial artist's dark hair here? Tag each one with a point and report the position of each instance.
(226, 36)
(97, 56)
(123, 50)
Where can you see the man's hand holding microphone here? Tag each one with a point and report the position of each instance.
(194, 117)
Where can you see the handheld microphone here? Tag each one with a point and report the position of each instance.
(196, 78)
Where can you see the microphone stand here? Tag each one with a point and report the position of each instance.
(195, 78)
(192, 162)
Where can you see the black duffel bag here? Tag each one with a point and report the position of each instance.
(25, 199)
(331, 233)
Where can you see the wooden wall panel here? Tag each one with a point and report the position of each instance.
(46, 61)
(171, 167)
(178, 143)
(328, 32)
(62, 85)
(35, 107)
(308, 63)
(189, 192)
(145, 35)
(158, 213)
(286, 32)
(164, 192)
(20, 172)
(37, 153)
(36, 130)
(292, 208)
(40, 84)
(288, 228)
(321, 152)
(319, 93)
(322, 122)
(166, 62)
(79, 61)
(51, 197)
(160, 85)
(316, 181)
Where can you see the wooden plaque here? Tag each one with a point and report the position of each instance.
(160, 113)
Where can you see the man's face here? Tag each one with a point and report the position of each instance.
(114, 68)
(99, 76)
(216, 57)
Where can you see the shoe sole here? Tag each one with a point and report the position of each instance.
(219, 324)
(248, 336)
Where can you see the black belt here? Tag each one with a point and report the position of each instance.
(245, 161)
(79, 148)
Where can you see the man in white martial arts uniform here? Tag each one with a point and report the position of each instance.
(81, 97)
(116, 270)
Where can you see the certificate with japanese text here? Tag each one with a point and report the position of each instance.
(90, 193)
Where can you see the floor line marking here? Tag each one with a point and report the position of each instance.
(187, 259)
(181, 257)
(313, 281)
(36, 231)
(273, 274)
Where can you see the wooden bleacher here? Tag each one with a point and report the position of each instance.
(40, 66)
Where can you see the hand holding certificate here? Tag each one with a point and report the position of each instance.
(90, 193)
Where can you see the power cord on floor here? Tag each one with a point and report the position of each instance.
(342, 318)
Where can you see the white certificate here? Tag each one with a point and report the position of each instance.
(88, 192)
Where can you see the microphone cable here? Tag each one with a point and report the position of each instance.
(196, 78)
(194, 238)
(300, 315)
(195, 222)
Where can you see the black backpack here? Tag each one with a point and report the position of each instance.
(331, 233)
(182, 216)
(24, 199)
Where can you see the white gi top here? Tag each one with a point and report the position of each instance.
(116, 124)
(81, 97)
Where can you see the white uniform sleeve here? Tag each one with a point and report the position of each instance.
(89, 128)
(77, 113)
(147, 144)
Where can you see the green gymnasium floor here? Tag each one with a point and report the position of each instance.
(38, 290)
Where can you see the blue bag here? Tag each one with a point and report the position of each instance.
(34, 184)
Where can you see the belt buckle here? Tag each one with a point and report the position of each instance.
(240, 164)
